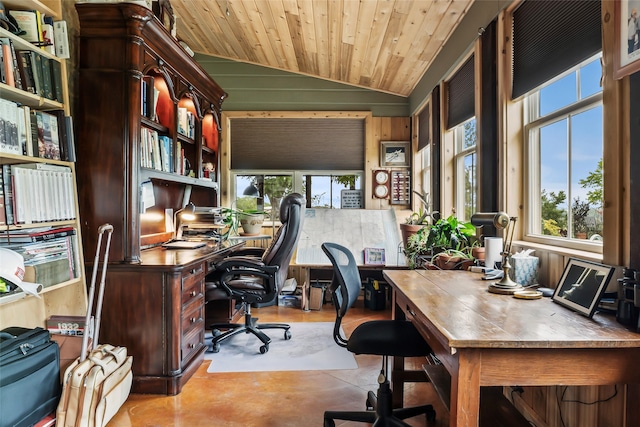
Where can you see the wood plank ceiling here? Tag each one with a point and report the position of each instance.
(384, 45)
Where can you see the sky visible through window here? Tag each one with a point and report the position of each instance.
(585, 129)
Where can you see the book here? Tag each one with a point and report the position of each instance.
(66, 325)
(35, 235)
(25, 68)
(36, 70)
(3, 215)
(9, 141)
(48, 136)
(56, 80)
(7, 62)
(45, 72)
(8, 194)
(30, 21)
(61, 39)
(48, 273)
(48, 39)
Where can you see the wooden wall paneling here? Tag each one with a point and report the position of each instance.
(615, 100)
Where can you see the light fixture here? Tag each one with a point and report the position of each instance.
(251, 191)
(187, 213)
(500, 220)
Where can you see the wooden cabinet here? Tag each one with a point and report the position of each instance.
(156, 310)
(62, 296)
(148, 124)
(136, 80)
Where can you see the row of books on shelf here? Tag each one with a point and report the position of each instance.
(43, 31)
(149, 98)
(36, 192)
(30, 71)
(28, 132)
(186, 123)
(157, 152)
(50, 261)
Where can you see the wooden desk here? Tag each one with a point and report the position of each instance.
(486, 339)
(156, 310)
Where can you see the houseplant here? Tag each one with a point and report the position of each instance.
(417, 220)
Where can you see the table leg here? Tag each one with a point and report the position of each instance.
(465, 390)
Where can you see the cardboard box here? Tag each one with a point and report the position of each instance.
(316, 297)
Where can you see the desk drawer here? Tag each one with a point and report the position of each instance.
(192, 342)
(193, 284)
(192, 318)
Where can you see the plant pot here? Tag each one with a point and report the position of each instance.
(447, 262)
(251, 224)
(408, 230)
(478, 253)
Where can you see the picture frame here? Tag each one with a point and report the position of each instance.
(395, 154)
(374, 256)
(581, 285)
(626, 57)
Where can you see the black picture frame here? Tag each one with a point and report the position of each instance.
(395, 154)
(581, 285)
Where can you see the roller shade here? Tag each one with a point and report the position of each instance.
(550, 37)
(297, 144)
(460, 95)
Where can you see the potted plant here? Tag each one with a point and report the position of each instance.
(449, 233)
(416, 249)
(452, 259)
(250, 220)
(580, 210)
(416, 220)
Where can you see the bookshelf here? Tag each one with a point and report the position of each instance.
(59, 296)
(148, 117)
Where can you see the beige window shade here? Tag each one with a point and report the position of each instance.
(297, 144)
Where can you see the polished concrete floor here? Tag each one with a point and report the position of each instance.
(275, 399)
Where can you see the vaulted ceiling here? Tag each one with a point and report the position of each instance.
(383, 45)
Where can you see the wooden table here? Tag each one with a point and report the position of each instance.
(486, 339)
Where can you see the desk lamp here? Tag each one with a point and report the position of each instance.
(187, 213)
(500, 220)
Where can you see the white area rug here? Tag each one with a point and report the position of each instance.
(311, 347)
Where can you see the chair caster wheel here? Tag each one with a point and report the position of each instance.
(329, 423)
(215, 348)
(287, 335)
(264, 349)
(216, 332)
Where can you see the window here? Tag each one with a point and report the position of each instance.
(321, 189)
(466, 158)
(564, 145)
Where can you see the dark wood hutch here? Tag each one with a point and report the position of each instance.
(147, 116)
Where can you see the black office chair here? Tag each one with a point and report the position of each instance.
(380, 337)
(256, 276)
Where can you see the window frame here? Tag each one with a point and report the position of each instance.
(459, 156)
(531, 156)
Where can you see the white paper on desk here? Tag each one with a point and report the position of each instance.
(31, 288)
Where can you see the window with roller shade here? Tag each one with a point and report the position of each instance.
(462, 122)
(315, 157)
(556, 66)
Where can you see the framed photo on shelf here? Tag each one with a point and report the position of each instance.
(374, 256)
(395, 154)
(581, 285)
(626, 57)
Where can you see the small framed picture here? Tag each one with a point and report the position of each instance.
(374, 256)
(626, 56)
(395, 154)
(581, 285)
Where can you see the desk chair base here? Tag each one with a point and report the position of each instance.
(250, 326)
(382, 413)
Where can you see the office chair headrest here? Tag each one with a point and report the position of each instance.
(291, 199)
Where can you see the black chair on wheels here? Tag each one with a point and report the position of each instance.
(380, 337)
(255, 276)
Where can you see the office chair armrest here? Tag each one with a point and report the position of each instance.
(248, 251)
